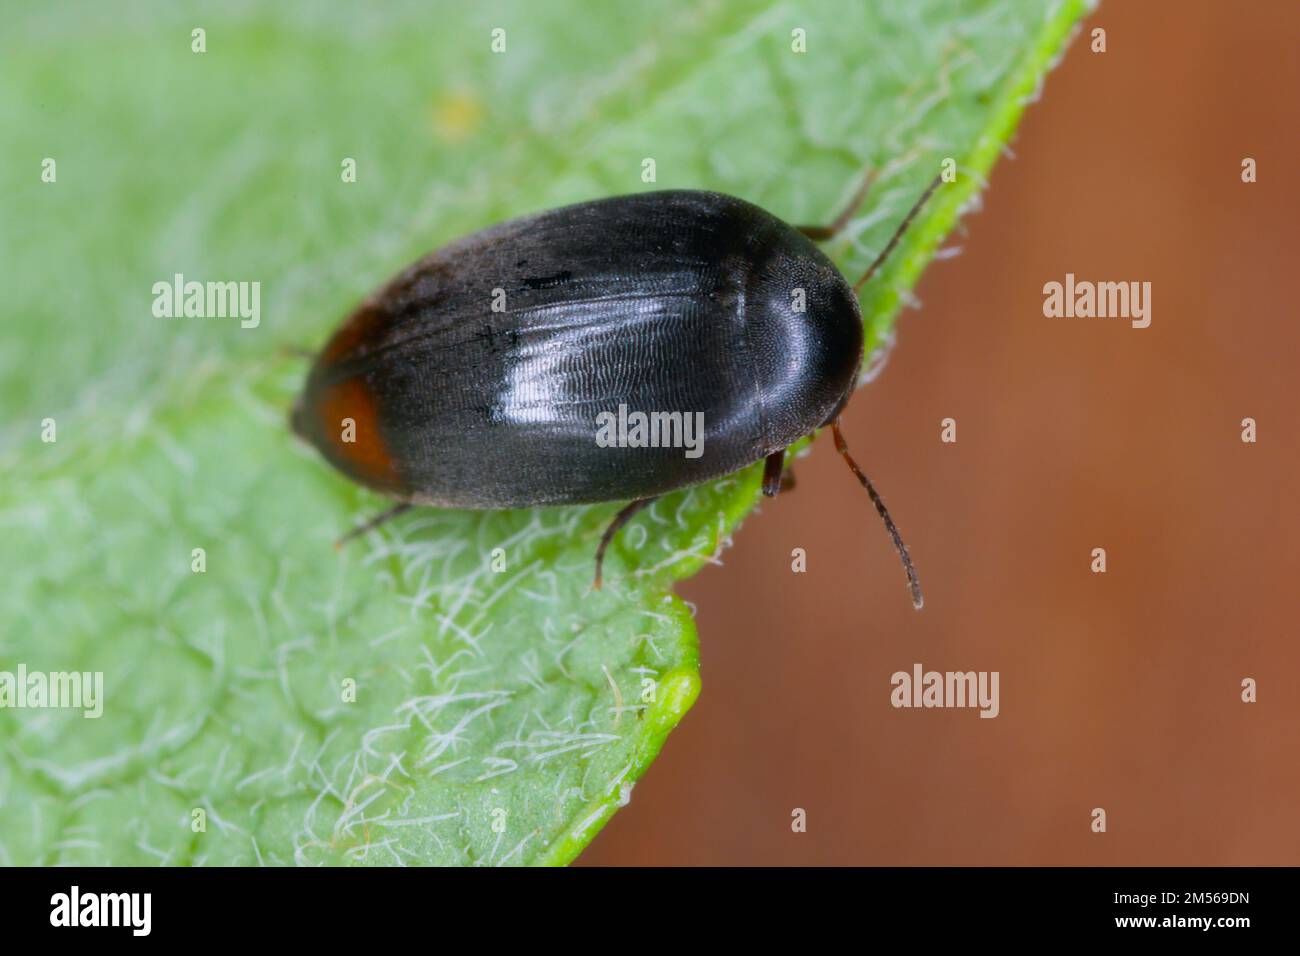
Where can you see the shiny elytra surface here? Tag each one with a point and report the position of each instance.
(475, 377)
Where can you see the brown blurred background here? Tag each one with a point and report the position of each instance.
(1119, 690)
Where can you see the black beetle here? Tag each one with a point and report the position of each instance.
(475, 378)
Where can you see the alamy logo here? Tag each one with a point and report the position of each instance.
(651, 430)
(923, 688)
(1103, 300)
(103, 909)
(209, 300)
(75, 690)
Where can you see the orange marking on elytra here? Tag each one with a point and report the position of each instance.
(366, 456)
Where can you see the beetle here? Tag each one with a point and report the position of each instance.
(475, 378)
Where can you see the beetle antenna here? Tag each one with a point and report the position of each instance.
(898, 233)
(913, 582)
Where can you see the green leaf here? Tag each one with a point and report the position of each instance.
(499, 717)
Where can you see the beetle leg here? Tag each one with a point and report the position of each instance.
(773, 465)
(825, 233)
(620, 519)
(374, 522)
